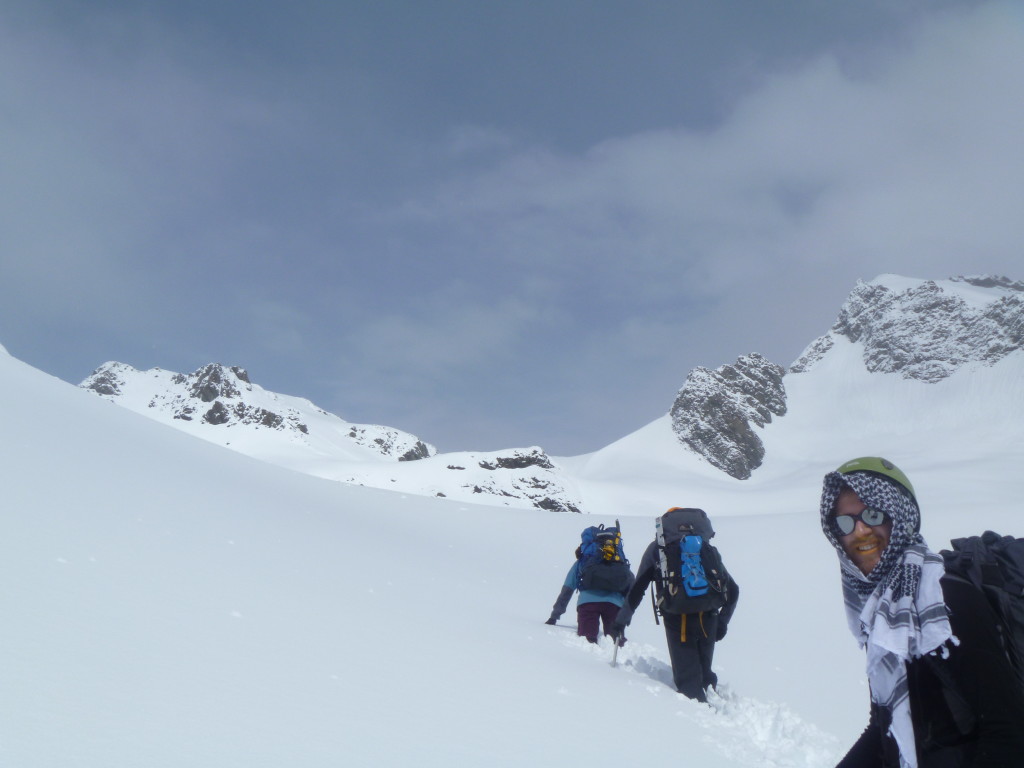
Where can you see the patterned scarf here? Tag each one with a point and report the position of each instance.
(896, 612)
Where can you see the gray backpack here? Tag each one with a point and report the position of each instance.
(692, 578)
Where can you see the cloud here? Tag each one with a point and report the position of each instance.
(282, 328)
(474, 141)
(279, 195)
(674, 248)
(915, 161)
(444, 334)
(131, 170)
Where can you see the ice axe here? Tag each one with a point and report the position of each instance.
(617, 638)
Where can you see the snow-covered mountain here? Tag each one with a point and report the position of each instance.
(168, 603)
(927, 330)
(835, 402)
(220, 404)
(938, 335)
(921, 329)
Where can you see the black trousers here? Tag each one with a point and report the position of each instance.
(691, 647)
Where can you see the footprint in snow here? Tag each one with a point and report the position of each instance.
(758, 733)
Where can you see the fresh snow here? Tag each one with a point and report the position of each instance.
(167, 602)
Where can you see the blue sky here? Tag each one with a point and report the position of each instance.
(490, 224)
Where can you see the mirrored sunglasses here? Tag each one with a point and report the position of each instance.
(844, 524)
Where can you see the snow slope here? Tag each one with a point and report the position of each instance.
(220, 404)
(170, 603)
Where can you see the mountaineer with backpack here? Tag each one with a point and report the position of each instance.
(602, 575)
(696, 596)
(944, 693)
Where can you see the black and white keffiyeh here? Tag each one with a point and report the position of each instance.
(896, 612)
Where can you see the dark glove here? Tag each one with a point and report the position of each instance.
(623, 617)
(619, 633)
(550, 621)
(720, 632)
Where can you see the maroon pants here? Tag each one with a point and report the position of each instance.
(589, 615)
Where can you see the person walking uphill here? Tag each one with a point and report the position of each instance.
(602, 575)
(696, 596)
(943, 693)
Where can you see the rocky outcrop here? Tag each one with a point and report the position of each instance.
(214, 394)
(214, 381)
(927, 332)
(390, 442)
(223, 398)
(527, 474)
(108, 379)
(535, 457)
(716, 411)
(520, 477)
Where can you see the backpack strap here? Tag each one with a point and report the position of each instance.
(963, 715)
(682, 625)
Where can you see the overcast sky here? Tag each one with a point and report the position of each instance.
(492, 224)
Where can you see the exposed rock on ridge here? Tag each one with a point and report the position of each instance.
(715, 412)
(390, 442)
(222, 397)
(520, 477)
(214, 395)
(926, 332)
(222, 405)
(541, 485)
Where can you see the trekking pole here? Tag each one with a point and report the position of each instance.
(654, 607)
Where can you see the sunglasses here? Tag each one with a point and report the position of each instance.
(844, 524)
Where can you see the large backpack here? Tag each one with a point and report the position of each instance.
(692, 578)
(995, 565)
(603, 563)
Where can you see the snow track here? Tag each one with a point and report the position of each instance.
(743, 730)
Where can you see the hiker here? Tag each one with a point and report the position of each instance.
(943, 692)
(602, 576)
(693, 622)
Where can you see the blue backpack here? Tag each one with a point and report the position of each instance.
(603, 563)
(691, 571)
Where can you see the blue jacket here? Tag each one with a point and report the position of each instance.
(572, 579)
(592, 595)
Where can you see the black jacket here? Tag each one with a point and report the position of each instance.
(986, 689)
(649, 570)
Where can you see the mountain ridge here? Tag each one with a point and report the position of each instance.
(922, 331)
(216, 402)
(927, 331)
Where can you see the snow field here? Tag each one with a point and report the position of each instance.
(168, 603)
